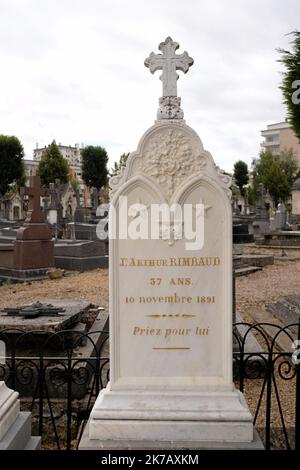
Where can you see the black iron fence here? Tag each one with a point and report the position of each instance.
(59, 378)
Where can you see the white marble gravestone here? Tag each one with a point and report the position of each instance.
(170, 308)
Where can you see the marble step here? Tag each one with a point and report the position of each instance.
(19, 434)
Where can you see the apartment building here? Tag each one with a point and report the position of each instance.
(280, 137)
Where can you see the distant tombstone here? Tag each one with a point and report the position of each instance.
(273, 223)
(246, 205)
(281, 217)
(59, 207)
(170, 306)
(52, 207)
(236, 209)
(261, 223)
(95, 201)
(34, 245)
(296, 197)
(261, 212)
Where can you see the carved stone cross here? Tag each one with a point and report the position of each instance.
(35, 192)
(169, 62)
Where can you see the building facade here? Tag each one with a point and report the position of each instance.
(280, 137)
(73, 157)
(30, 167)
(71, 154)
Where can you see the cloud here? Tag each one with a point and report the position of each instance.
(73, 70)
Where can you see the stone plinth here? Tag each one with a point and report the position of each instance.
(7, 255)
(81, 255)
(33, 249)
(15, 427)
(9, 408)
(33, 254)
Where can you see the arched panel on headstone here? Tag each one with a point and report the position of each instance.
(124, 250)
(216, 230)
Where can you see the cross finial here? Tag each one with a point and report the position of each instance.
(34, 191)
(169, 62)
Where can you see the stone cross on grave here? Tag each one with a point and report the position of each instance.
(35, 192)
(169, 62)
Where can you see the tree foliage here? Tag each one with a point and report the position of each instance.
(53, 166)
(12, 170)
(277, 174)
(290, 85)
(241, 175)
(251, 195)
(118, 165)
(94, 166)
(289, 166)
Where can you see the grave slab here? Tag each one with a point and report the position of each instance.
(73, 310)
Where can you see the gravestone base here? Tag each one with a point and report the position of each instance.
(81, 255)
(96, 444)
(33, 254)
(23, 275)
(15, 426)
(178, 417)
(18, 437)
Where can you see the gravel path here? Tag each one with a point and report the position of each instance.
(91, 286)
(253, 292)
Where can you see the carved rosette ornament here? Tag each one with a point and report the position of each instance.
(170, 154)
(169, 159)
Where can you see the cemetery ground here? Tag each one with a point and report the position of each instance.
(253, 293)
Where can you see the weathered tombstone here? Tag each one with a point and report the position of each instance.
(246, 206)
(296, 197)
(58, 186)
(52, 207)
(281, 217)
(31, 255)
(236, 209)
(34, 245)
(261, 223)
(15, 426)
(170, 306)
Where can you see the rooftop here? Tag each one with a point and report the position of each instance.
(276, 126)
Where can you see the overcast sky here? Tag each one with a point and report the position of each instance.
(72, 70)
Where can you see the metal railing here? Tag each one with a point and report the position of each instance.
(59, 378)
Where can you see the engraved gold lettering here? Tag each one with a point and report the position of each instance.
(177, 332)
(173, 262)
(202, 331)
(137, 330)
(180, 281)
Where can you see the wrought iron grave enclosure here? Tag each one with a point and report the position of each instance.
(60, 386)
